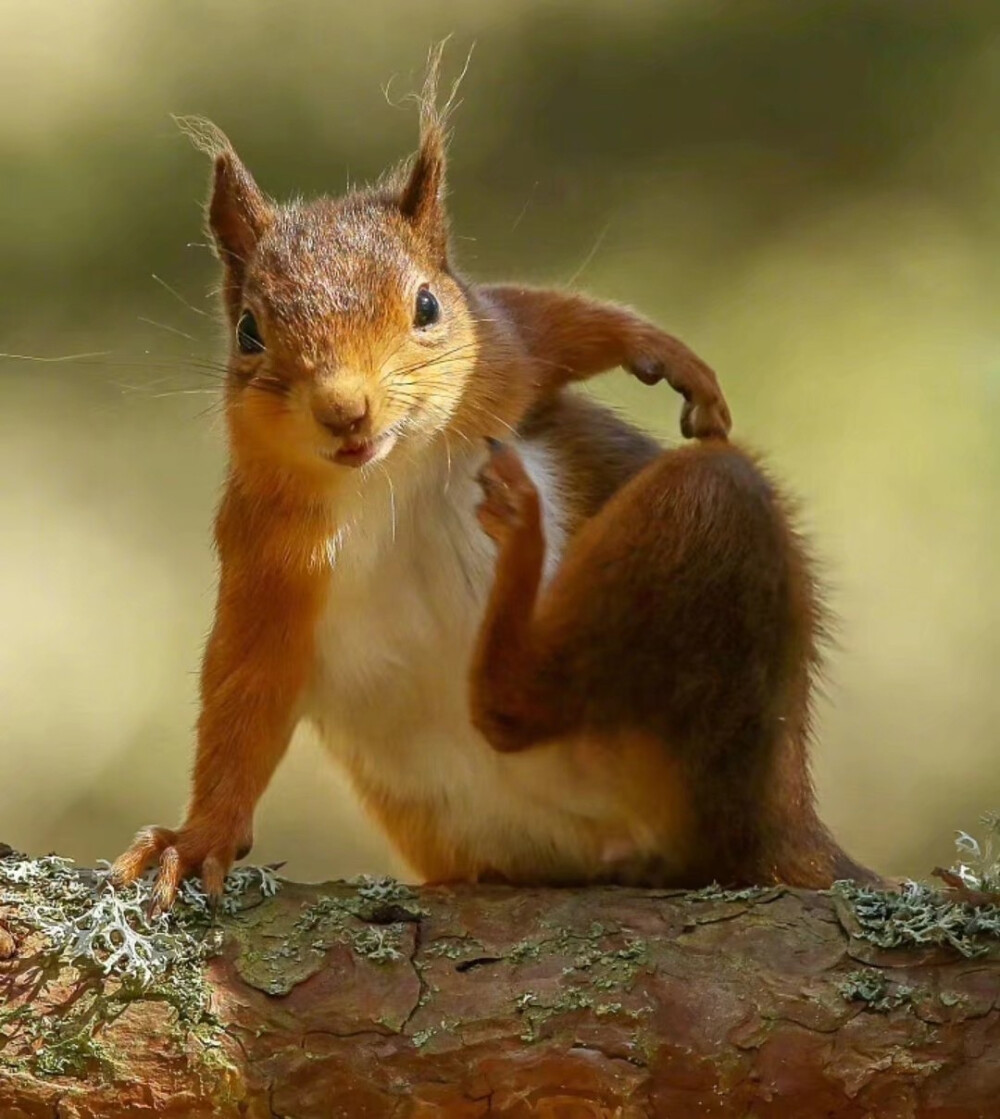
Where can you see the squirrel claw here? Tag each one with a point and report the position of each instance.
(167, 881)
(146, 848)
(177, 854)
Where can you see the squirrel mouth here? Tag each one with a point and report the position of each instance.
(359, 452)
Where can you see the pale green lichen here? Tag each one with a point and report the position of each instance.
(873, 988)
(715, 892)
(335, 914)
(368, 914)
(118, 948)
(381, 888)
(421, 1037)
(373, 899)
(379, 944)
(446, 1026)
(455, 948)
(594, 970)
(979, 866)
(88, 922)
(380, 897)
(535, 1013)
(74, 1056)
(920, 915)
(54, 1046)
(525, 1000)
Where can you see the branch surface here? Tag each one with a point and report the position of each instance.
(373, 1000)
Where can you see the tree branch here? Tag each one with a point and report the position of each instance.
(372, 1000)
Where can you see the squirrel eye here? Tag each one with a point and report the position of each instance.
(248, 334)
(428, 310)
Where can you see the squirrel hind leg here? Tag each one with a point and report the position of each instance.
(675, 614)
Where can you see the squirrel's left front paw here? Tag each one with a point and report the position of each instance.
(705, 413)
(203, 847)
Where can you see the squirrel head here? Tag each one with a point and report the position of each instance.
(349, 332)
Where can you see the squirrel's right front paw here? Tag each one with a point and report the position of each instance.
(510, 499)
(196, 848)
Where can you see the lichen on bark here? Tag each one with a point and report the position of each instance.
(373, 999)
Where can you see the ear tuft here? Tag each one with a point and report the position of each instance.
(421, 200)
(238, 211)
(206, 136)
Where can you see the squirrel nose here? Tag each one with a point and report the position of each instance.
(345, 417)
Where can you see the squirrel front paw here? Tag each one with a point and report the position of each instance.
(510, 499)
(705, 413)
(201, 846)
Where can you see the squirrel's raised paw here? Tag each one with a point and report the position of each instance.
(510, 499)
(705, 413)
(207, 850)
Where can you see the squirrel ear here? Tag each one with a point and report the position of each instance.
(422, 198)
(238, 211)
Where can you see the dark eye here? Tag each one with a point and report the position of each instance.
(248, 334)
(428, 310)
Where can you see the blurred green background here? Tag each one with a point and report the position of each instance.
(808, 193)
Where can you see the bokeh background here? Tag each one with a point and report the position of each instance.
(808, 192)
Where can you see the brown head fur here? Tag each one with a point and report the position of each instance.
(332, 285)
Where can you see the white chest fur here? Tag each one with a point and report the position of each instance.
(410, 575)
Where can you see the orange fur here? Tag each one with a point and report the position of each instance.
(571, 338)
(334, 381)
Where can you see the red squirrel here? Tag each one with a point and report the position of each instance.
(545, 649)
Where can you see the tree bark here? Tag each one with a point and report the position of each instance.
(485, 1001)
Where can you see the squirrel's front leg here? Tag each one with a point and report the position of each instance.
(256, 665)
(571, 338)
